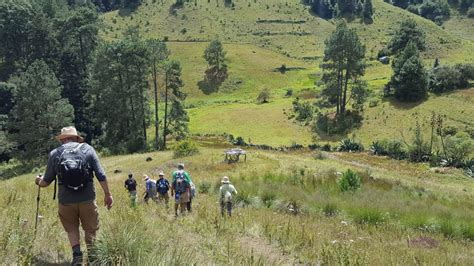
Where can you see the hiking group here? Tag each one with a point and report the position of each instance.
(181, 188)
(73, 165)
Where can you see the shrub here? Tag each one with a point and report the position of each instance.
(458, 148)
(368, 216)
(326, 147)
(444, 78)
(289, 92)
(330, 209)
(470, 12)
(413, 9)
(393, 148)
(204, 187)
(243, 198)
(185, 148)
(350, 145)
(350, 181)
(268, 197)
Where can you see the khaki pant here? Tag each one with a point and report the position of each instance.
(85, 213)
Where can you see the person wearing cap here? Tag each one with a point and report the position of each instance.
(131, 186)
(77, 206)
(162, 186)
(150, 186)
(180, 189)
(225, 195)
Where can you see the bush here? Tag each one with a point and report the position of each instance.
(185, 148)
(326, 147)
(444, 78)
(413, 9)
(350, 181)
(330, 209)
(350, 145)
(470, 12)
(393, 148)
(458, 148)
(204, 187)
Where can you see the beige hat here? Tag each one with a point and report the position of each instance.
(225, 180)
(67, 132)
(161, 174)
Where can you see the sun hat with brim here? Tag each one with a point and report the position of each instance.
(67, 132)
(225, 180)
(161, 174)
(145, 177)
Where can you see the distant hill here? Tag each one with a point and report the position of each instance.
(261, 36)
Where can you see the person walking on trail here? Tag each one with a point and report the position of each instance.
(192, 194)
(162, 186)
(187, 177)
(150, 189)
(180, 189)
(74, 164)
(131, 186)
(225, 195)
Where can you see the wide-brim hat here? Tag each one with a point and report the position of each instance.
(67, 132)
(146, 177)
(225, 180)
(161, 174)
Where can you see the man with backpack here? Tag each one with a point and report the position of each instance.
(150, 189)
(131, 186)
(225, 195)
(74, 164)
(180, 189)
(162, 186)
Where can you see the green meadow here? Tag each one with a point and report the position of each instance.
(289, 210)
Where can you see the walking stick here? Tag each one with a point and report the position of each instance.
(37, 207)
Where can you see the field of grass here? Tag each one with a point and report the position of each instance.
(403, 214)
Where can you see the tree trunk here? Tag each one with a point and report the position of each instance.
(344, 97)
(155, 84)
(166, 112)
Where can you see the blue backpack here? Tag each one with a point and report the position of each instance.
(162, 186)
(180, 183)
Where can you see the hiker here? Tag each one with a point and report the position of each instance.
(162, 186)
(131, 186)
(187, 177)
(192, 194)
(225, 194)
(74, 164)
(180, 189)
(150, 189)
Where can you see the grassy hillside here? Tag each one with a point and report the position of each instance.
(260, 36)
(403, 214)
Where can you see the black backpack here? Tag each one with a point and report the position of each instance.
(180, 183)
(131, 184)
(73, 169)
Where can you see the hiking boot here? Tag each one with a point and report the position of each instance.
(76, 259)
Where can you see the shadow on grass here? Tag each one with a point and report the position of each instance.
(213, 79)
(403, 105)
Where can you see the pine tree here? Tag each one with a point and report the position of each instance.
(176, 121)
(39, 113)
(158, 53)
(407, 32)
(410, 79)
(119, 93)
(367, 11)
(343, 64)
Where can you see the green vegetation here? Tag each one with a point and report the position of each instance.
(290, 209)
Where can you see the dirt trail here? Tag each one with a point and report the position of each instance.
(261, 248)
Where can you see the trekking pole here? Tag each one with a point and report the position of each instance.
(37, 206)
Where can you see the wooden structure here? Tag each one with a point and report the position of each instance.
(233, 155)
